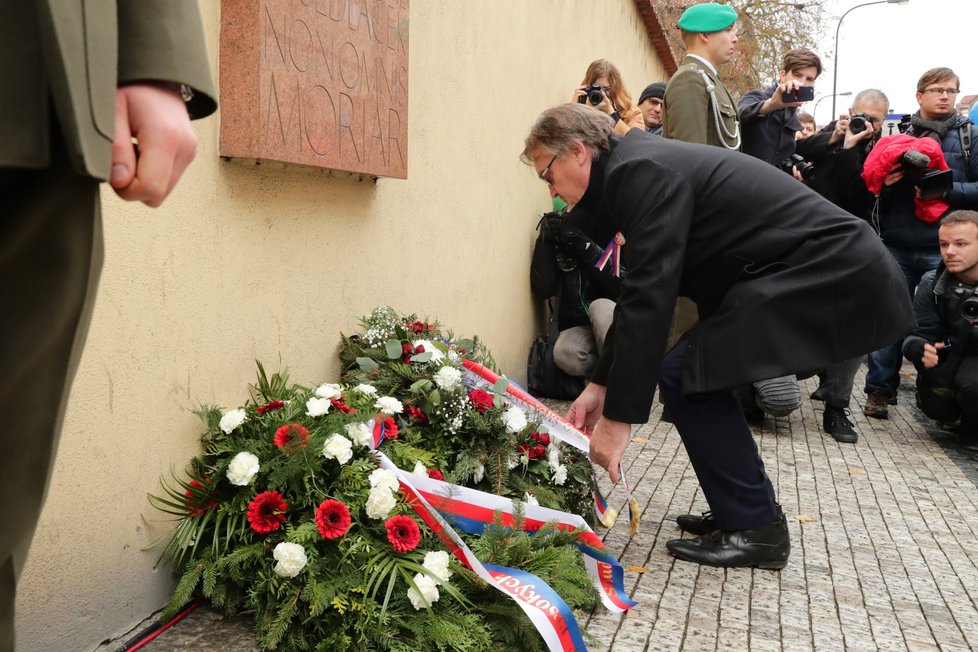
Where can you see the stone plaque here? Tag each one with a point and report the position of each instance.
(316, 82)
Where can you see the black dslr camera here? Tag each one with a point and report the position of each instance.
(932, 183)
(805, 169)
(859, 123)
(593, 95)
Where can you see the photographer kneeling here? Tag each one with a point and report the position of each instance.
(563, 267)
(944, 346)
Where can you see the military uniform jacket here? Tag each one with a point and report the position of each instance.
(70, 56)
(689, 114)
(784, 280)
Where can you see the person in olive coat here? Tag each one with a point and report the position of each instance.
(81, 81)
(785, 282)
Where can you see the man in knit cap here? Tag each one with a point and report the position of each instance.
(698, 107)
(651, 104)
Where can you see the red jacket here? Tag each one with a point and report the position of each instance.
(886, 155)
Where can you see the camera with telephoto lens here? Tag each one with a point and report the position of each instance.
(805, 169)
(593, 95)
(969, 308)
(859, 123)
(931, 183)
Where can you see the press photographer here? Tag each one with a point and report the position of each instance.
(603, 89)
(562, 267)
(944, 346)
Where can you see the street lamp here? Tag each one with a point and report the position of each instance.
(835, 71)
(824, 97)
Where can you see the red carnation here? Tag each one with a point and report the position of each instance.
(388, 424)
(332, 519)
(481, 400)
(291, 437)
(435, 474)
(403, 533)
(417, 326)
(341, 405)
(537, 452)
(270, 407)
(266, 512)
(417, 414)
(200, 497)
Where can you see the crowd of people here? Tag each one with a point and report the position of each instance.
(748, 249)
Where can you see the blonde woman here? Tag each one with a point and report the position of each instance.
(615, 99)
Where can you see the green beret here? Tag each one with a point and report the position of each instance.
(707, 17)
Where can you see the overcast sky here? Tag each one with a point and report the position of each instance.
(888, 46)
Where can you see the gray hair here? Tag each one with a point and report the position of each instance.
(872, 96)
(557, 129)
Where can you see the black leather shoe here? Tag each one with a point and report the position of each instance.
(836, 423)
(764, 547)
(698, 525)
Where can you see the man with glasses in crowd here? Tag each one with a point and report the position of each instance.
(912, 241)
(785, 282)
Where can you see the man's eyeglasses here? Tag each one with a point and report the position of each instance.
(941, 91)
(545, 175)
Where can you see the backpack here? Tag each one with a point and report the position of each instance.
(543, 377)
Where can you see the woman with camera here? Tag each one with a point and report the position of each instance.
(603, 89)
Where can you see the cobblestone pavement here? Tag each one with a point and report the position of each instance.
(884, 547)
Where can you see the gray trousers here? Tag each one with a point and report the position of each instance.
(50, 258)
(578, 348)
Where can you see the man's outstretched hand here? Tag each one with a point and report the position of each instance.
(156, 116)
(609, 438)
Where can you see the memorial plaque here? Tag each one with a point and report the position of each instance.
(316, 82)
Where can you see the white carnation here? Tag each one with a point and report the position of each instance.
(419, 469)
(560, 474)
(232, 419)
(329, 390)
(367, 390)
(384, 478)
(291, 558)
(514, 419)
(389, 405)
(512, 462)
(338, 448)
(360, 433)
(553, 455)
(380, 502)
(435, 352)
(243, 468)
(437, 563)
(529, 500)
(428, 589)
(480, 472)
(317, 407)
(448, 378)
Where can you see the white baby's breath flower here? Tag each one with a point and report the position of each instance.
(380, 502)
(560, 474)
(480, 472)
(329, 390)
(514, 419)
(384, 478)
(232, 419)
(338, 448)
(435, 352)
(242, 468)
(453, 356)
(366, 390)
(512, 462)
(428, 592)
(291, 558)
(437, 563)
(360, 433)
(447, 378)
(389, 405)
(529, 500)
(317, 407)
(419, 469)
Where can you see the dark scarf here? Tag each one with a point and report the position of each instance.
(935, 129)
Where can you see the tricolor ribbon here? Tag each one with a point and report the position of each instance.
(546, 610)
(612, 252)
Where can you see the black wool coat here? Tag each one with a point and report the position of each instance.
(785, 281)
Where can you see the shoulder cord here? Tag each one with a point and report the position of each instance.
(722, 130)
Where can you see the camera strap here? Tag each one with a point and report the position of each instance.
(964, 131)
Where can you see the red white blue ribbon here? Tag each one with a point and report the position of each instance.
(612, 252)
(546, 610)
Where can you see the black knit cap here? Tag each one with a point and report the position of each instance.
(658, 89)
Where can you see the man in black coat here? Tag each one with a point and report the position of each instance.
(784, 281)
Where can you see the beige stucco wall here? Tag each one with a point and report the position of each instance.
(271, 262)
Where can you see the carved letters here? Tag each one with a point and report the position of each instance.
(317, 82)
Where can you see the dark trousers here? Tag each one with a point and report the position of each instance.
(50, 257)
(837, 380)
(720, 448)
